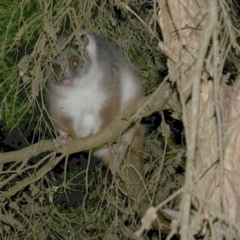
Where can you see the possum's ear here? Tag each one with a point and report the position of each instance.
(80, 40)
(84, 39)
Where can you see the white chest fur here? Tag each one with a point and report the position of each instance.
(82, 103)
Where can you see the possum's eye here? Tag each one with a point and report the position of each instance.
(74, 62)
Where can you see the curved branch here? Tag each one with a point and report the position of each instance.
(162, 98)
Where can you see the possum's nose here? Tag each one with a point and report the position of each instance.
(67, 82)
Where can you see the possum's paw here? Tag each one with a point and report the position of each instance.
(59, 141)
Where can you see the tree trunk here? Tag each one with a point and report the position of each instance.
(197, 51)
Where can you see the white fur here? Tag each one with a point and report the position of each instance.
(91, 47)
(129, 88)
(171, 213)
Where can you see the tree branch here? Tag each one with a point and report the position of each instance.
(162, 98)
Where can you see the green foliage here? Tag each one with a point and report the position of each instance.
(16, 104)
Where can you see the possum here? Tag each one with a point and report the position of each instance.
(86, 94)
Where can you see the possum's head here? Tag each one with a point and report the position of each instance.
(70, 65)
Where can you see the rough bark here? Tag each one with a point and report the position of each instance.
(210, 110)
